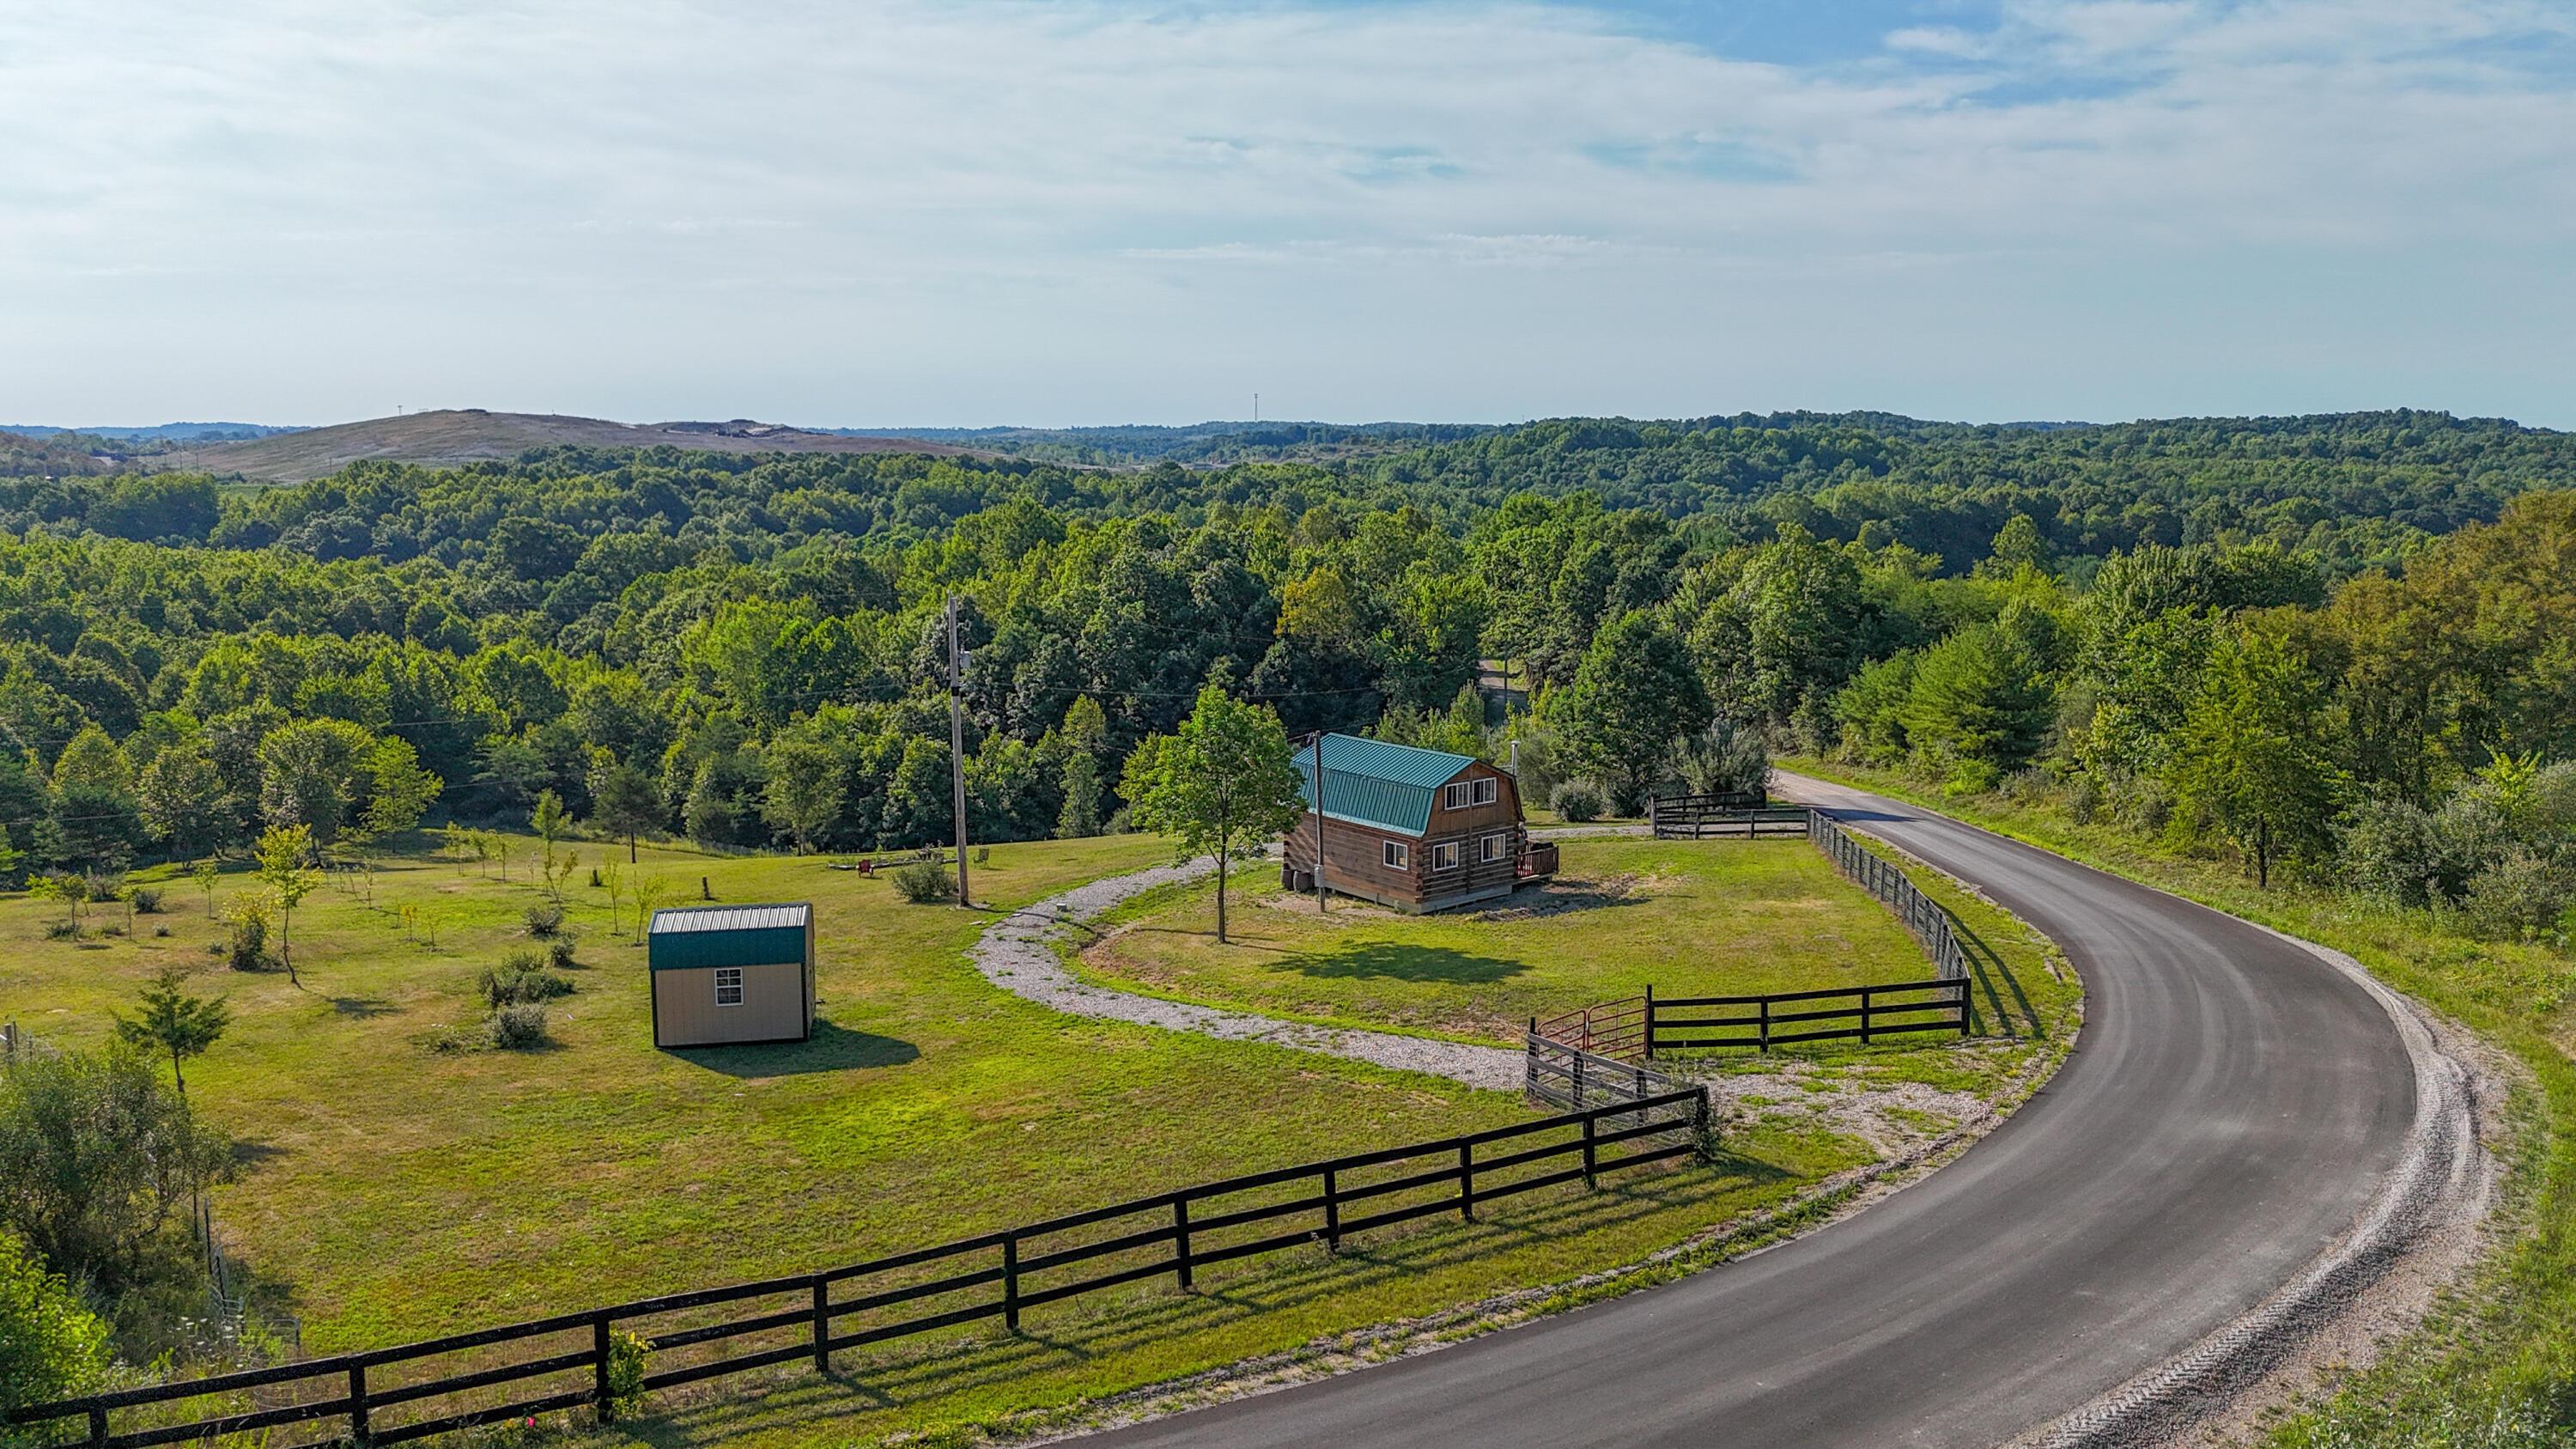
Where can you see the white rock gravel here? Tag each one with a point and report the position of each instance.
(1017, 954)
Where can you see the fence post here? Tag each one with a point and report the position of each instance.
(1864, 1016)
(1650, 1022)
(1467, 1182)
(98, 1428)
(601, 1398)
(822, 1324)
(1967, 1009)
(1590, 1155)
(1011, 1282)
(1764, 1028)
(1332, 1212)
(1181, 1238)
(357, 1403)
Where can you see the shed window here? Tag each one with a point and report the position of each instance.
(1444, 856)
(1454, 796)
(1399, 856)
(728, 986)
(1491, 848)
(1488, 790)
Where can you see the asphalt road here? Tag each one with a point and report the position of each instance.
(2230, 1110)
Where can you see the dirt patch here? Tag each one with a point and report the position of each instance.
(1572, 893)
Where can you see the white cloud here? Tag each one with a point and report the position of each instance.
(610, 203)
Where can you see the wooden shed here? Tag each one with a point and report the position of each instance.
(724, 975)
(1415, 829)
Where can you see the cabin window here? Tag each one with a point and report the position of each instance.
(1488, 790)
(1444, 856)
(728, 986)
(1399, 856)
(1454, 796)
(1490, 848)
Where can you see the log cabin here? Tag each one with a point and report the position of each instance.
(1417, 830)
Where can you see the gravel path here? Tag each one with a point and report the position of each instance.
(1017, 954)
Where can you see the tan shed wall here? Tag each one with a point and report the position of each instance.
(774, 1006)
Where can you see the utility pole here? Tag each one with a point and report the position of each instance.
(1320, 907)
(957, 747)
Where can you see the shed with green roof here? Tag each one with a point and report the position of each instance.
(730, 975)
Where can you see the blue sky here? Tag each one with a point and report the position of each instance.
(1091, 211)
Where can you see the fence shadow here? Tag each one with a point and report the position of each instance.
(1986, 965)
(830, 1049)
(1385, 962)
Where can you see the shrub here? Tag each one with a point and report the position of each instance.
(923, 883)
(1578, 801)
(147, 901)
(2390, 849)
(61, 931)
(51, 1345)
(246, 949)
(2518, 897)
(544, 921)
(626, 1352)
(559, 953)
(520, 981)
(519, 1027)
(160, 931)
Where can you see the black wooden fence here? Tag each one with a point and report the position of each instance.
(1703, 817)
(1638, 1028)
(390, 1395)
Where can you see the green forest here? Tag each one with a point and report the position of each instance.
(2338, 644)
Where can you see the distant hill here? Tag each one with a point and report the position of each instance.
(1199, 444)
(157, 432)
(471, 435)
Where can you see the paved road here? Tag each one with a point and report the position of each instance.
(2230, 1111)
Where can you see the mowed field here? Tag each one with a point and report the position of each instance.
(389, 1191)
(1700, 918)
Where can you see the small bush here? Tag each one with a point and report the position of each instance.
(1577, 801)
(147, 902)
(520, 981)
(626, 1372)
(559, 953)
(160, 931)
(2518, 897)
(519, 1027)
(247, 947)
(447, 1041)
(923, 883)
(61, 931)
(544, 921)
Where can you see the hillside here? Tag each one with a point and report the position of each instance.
(471, 435)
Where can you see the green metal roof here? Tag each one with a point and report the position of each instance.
(693, 937)
(1372, 782)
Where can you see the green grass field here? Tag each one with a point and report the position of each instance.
(389, 1192)
(2495, 1364)
(1710, 918)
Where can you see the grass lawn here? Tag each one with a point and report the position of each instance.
(389, 1192)
(2496, 1363)
(1690, 918)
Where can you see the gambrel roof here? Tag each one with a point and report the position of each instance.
(1374, 783)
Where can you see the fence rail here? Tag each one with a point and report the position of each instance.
(1636, 1029)
(565, 1361)
(1704, 817)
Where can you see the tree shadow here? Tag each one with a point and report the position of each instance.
(1987, 966)
(830, 1049)
(251, 1154)
(1379, 960)
(362, 1008)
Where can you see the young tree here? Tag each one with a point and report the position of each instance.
(1633, 696)
(624, 801)
(64, 886)
(399, 790)
(549, 819)
(206, 873)
(2251, 756)
(283, 851)
(1223, 776)
(173, 1021)
(648, 894)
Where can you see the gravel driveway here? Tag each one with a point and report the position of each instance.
(1017, 954)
